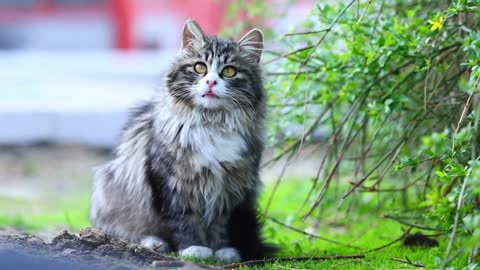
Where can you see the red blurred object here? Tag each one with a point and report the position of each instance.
(123, 15)
(208, 13)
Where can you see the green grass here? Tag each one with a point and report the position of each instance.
(51, 213)
(362, 226)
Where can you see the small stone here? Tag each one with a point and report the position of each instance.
(93, 236)
(62, 237)
(69, 252)
(35, 241)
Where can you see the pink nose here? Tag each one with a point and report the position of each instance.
(211, 84)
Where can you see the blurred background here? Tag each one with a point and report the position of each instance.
(69, 71)
(373, 116)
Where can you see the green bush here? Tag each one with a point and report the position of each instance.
(397, 83)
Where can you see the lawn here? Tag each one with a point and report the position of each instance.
(354, 229)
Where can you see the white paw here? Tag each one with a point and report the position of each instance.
(196, 252)
(228, 255)
(154, 243)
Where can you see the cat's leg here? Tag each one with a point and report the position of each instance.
(228, 254)
(132, 219)
(218, 236)
(199, 252)
(244, 232)
(189, 236)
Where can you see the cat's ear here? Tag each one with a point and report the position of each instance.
(252, 43)
(192, 33)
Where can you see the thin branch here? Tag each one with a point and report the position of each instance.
(405, 234)
(416, 264)
(364, 11)
(328, 151)
(455, 223)
(332, 172)
(373, 188)
(413, 225)
(310, 130)
(364, 178)
(310, 234)
(454, 255)
(288, 54)
(309, 56)
(385, 157)
(464, 111)
(277, 182)
(307, 32)
(360, 100)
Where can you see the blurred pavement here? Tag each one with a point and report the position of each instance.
(73, 96)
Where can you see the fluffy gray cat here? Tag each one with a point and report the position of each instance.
(185, 176)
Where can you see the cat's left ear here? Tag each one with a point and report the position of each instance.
(252, 43)
(192, 33)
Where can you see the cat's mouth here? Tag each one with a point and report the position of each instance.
(209, 95)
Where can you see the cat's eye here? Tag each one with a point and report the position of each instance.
(200, 68)
(229, 72)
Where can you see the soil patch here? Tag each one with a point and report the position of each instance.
(89, 249)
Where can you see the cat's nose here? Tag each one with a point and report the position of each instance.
(211, 83)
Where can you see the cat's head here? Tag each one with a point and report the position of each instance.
(216, 74)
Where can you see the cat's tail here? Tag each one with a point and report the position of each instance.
(245, 234)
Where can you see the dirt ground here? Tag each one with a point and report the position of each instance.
(89, 249)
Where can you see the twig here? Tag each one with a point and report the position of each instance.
(405, 234)
(455, 223)
(288, 54)
(310, 234)
(385, 157)
(417, 264)
(310, 54)
(332, 143)
(373, 187)
(292, 259)
(364, 11)
(310, 130)
(307, 32)
(277, 182)
(332, 173)
(413, 225)
(464, 111)
(454, 255)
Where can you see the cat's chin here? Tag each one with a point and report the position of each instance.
(210, 103)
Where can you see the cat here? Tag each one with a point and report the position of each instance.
(185, 176)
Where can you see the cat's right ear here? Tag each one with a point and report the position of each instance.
(192, 34)
(252, 43)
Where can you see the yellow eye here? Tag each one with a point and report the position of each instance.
(200, 68)
(229, 72)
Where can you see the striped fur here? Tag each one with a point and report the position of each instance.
(185, 173)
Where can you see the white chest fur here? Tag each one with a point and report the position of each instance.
(211, 147)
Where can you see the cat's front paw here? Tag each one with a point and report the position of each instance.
(198, 252)
(155, 243)
(228, 255)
